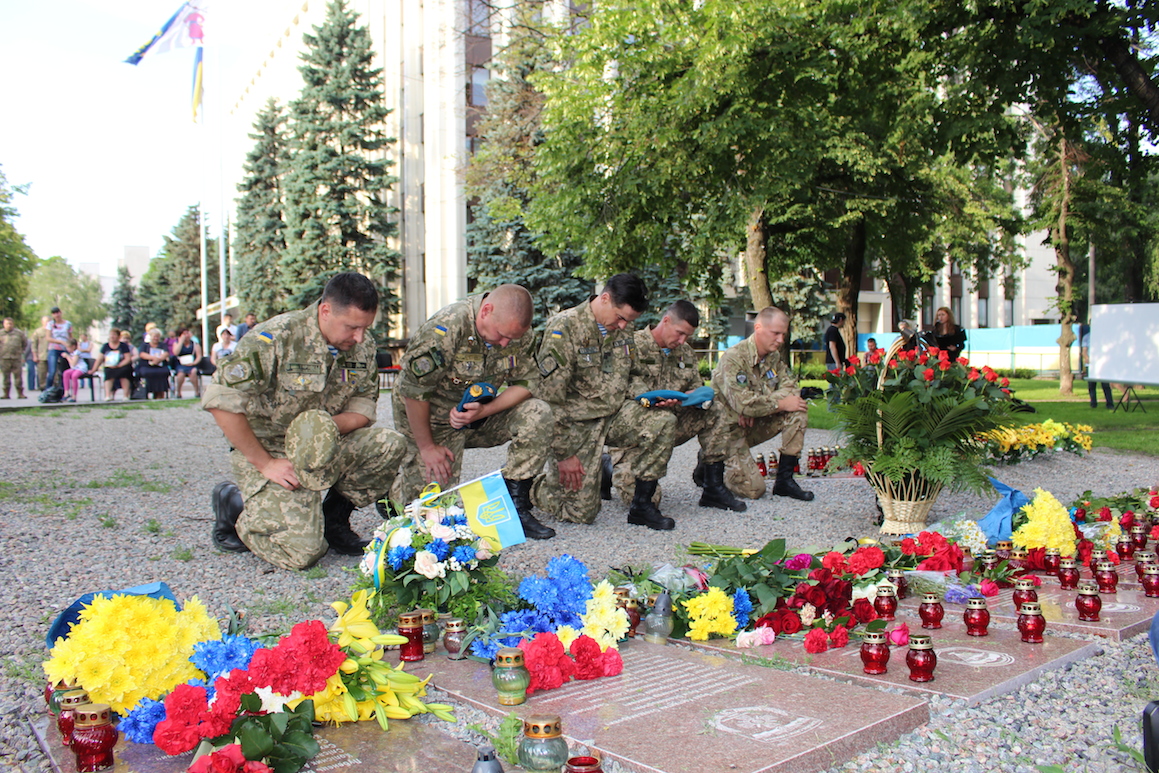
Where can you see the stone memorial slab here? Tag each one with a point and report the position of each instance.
(407, 747)
(971, 668)
(675, 710)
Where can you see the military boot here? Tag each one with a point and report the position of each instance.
(227, 506)
(716, 494)
(336, 510)
(606, 477)
(643, 512)
(785, 485)
(520, 491)
(698, 473)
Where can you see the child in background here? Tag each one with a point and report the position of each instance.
(78, 365)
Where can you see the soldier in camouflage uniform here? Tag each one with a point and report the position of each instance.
(12, 344)
(665, 361)
(586, 360)
(483, 339)
(39, 340)
(760, 399)
(295, 401)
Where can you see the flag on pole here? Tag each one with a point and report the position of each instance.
(183, 30)
(490, 511)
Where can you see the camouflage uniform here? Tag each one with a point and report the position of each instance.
(654, 368)
(748, 385)
(12, 343)
(444, 356)
(282, 369)
(585, 378)
(39, 340)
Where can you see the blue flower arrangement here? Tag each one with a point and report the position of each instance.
(742, 608)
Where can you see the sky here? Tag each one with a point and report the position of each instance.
(108, 151)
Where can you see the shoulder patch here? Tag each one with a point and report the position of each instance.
(441, 329)
(548, 364)
(266, 336)
(741, 378)
(556, 334)
(422, 365)
(239, 371)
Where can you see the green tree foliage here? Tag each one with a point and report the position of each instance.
(123, 304)
(16, 259)
(337, 218)
(171, 287)
(55, 283)
(500, 246)
(259, 236)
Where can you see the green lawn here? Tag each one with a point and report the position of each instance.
(1136, 431)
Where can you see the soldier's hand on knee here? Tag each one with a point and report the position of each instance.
(437, 461)
(281, 471)
(571, 473)
(745, 421)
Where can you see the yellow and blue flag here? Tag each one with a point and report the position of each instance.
(490, 511)
(185, 29)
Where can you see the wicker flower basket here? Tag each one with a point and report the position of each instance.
(907, 504)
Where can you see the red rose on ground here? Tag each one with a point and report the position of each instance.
(988, 588)
(834, 562)
(1127, 521)
(547, 662)
(1105, 514)
(1080, 514)
(816, 641)
(1085, 548)
(866, 558)
(1155, 501)
(821, 574)
(839, 637)
(611, 662)
(770, 620)
(790, 622)
(909, 547)
(1155, 531)
(1034, 558)
(928, 374)
(863, 610)
(1113, 557)
(586, 651)
(815, 596)
(174, 737)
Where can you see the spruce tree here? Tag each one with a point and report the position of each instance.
(171, 287)
(500, 246)
(260, 239)
(337, 218)
(123, 304)
(153, 296)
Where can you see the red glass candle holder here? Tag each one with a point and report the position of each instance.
(1125, 547)
(1088, 602)
(874, 653)
(989, 561)
(1002, 549)
(921, 659)
(1142, 558)
(1106, 577)
(583, 765)
(1139, 536)
(1150, 581)
(1023, 592)
(886, 602)
(1050, 561)
(66, 719)
(1031, 623)
(976, 617)
(1018, 559)
(93, 738)
(410, 625)
(897, 577)
(931, 611)
(1068, 574)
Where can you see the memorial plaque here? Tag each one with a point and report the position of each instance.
(972, 668)
(677, 710)
(407, 747)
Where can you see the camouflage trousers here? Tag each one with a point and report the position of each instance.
(732, 445)
(649, 434)
(286, 528)
(9, 372)
(528, 426)
(690, 423)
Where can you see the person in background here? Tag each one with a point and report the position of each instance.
(39, 341)
(251, 319)
(835, 343)
(78, 365)
(870, 346)
(13, 342)
(188, 353)
(59, 334)
(1085, 366)
(85, 346)
(117, 358)
(30, 364)
(154, 366)
(224, 346)
(948, 335)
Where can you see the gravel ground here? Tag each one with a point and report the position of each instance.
(112, 496)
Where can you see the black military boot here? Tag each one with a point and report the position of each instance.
(227, 506)
(698, 472)
(716, 494)
(336, 510)
(520, 491)
(643, 512)
(785, 485)
(606, 477)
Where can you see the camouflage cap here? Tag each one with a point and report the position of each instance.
(311, 445)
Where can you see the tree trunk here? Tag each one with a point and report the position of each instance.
(1065, 285)
(849, 290)
(1118, 52)
(754, 258)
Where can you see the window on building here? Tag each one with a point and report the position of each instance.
(476, 91)
(478, 17)
(1008, 311)
(956, 308)
(983, 312)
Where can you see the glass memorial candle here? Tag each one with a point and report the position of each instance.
(1139, 535)
(897, 577)
(976, 616)
(453, 636)
(886, 602)
(93, 738)
(431, 630)
(1142, 558)
(1088, 602)
(66, 719)
(410, 625)
(542, 746)
(1018, 559)
(1050, 561)
(1125, 547)
(874, 653)
(1002, 549)
(931, 611)
(1106, 577)
(921, 658)
(1031, 623)
(1024, 591)
(583, 765)
(1068, 574)
(989, 561)
(1151, 581)
(510, 676)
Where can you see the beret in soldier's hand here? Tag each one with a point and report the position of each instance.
(311, 445)
(481, 392)
(701, 396)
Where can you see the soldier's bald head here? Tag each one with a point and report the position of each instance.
(512, 304)
(770, 314)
